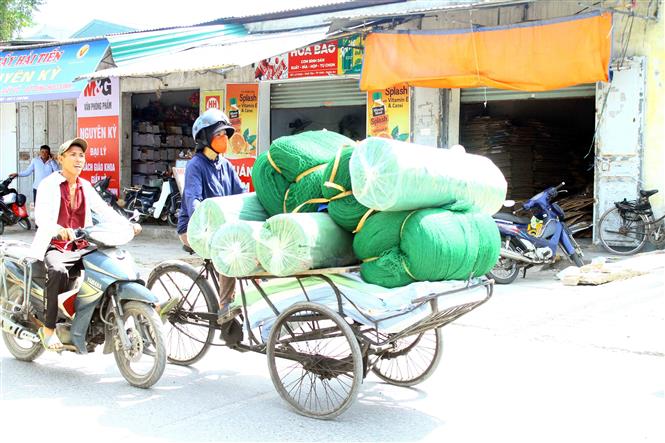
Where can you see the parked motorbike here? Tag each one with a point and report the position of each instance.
(526, 242)
(105, 304)
(162, 203)
(12, 207)
(102, 188)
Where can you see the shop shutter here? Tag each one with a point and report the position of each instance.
(479, 95)
(316, 94)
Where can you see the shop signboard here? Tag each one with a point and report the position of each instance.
(350, 54)
(389, 113)
(47, 73)
(242, 105)
(335, 57)
(97, 111)
(212, 100)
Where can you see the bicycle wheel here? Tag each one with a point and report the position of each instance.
(188, 335)
(314, 360)
(622, 235)
(411, 360)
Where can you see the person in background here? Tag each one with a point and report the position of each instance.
(65, 203)
(42, 166)
(208, 174)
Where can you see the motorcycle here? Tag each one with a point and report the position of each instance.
(106, 304)
(528, 242)
(12, 207)
(162, 203)
(102, 188)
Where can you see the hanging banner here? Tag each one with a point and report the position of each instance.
(212, 100)
(47, 73)
(389, 113)
(98, 109)
(242, 106)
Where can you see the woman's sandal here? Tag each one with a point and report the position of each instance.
(50, 343)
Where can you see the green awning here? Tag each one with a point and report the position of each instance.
(127, 47)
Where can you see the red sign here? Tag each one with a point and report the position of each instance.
(101, 157)
(314, 61)
(243, 167)
(213, 102)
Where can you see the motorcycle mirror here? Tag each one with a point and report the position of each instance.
(509, 203)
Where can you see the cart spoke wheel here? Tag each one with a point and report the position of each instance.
(410, 360)
(315, 360)
(188, 335)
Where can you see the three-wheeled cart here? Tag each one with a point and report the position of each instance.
(322, 330)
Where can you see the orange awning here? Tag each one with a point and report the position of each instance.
(536, 56)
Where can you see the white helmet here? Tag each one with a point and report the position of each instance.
(210, 118)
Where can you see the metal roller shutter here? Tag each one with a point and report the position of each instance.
(479, 95)
(316, 94)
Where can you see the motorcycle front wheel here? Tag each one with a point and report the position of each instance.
(142, 365)
(25, 223)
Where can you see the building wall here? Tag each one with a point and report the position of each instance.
(8, 157)
(646, 38)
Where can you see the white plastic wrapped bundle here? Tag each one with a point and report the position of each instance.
(233, 248)
(214, 212)
(389, 175)
(292, 243)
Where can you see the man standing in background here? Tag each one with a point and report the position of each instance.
(42, 166)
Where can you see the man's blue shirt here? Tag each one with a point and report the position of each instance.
(205, 178)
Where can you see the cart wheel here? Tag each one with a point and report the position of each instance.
(315, 361)
(187, 334)
(410, 360)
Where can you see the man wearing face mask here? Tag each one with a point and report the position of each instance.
(209, 174)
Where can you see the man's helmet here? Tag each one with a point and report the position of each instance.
(213, 120)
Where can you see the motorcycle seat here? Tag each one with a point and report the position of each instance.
(648, 193)
(506, 216)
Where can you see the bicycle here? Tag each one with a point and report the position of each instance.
(625, 228)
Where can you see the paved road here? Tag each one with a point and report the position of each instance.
(539, 362)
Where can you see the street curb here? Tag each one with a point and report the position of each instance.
(159, 232)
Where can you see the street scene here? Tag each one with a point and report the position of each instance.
(340, 220)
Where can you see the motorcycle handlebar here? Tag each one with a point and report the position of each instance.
(560, 186)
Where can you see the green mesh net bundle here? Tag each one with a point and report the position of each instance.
(389, 175)
(233, 248)
(290, 173)
(343, 206)
(398, 248)
(292, 243)
(214, 212)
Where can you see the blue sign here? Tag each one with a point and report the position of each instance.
(48, 73)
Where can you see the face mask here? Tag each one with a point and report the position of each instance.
(220, 143)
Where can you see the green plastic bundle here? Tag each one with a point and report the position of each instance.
(214, 212)
(343, 206)
(292, 243)
(390, 175)
(291, 172)
(233, 248)
(398, 248)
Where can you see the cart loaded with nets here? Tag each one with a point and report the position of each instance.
(322, 330)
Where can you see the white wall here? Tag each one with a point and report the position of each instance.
(8, 154)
